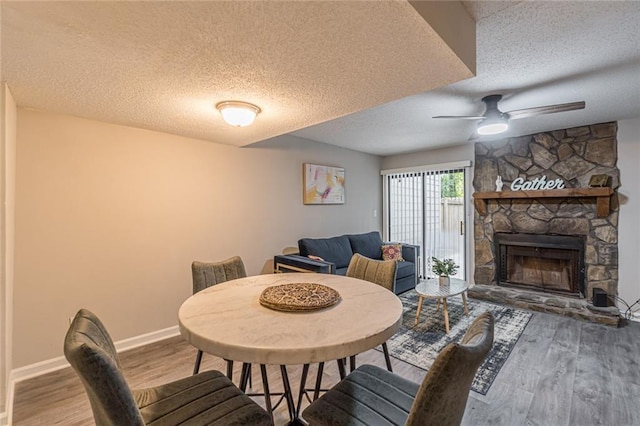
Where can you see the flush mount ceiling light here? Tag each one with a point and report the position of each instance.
(236, 113)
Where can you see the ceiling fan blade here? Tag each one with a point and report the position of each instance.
(547, 109)
(460, 117)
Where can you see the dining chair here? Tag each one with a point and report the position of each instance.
(206, 274)
(381, 272)
(373, 396)
(206, 398)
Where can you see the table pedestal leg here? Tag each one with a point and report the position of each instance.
(303, 384)
(341, 369)
(244, 376)
(267, 394)
(387, 359)
(316, 390)
(230, 369)
(418, 311)
(464, 302)
(446, 314)
(288, 394)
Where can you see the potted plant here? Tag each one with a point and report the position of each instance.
(444, 268)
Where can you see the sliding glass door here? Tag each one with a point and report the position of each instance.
(427, 208)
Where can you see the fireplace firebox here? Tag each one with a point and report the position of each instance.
(548, 263)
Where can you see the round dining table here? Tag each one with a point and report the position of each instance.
(227, 320)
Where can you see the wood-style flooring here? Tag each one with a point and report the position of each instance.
(561, 372)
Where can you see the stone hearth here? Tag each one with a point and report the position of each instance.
(572, 155)
(549, 303)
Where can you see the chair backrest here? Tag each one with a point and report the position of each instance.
(90, 351)
(381, 272)
(206, 274)
(442, 396)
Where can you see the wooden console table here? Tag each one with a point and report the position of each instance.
(602, 196)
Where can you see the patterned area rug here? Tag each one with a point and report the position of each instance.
(419, 345)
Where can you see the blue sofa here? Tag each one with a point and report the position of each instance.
(336, 253)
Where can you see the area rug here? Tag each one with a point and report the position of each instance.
(419, 345)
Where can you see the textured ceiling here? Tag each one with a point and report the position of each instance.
(534, 53)
(164, 65)
(363, 75)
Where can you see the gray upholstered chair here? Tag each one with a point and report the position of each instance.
(373, 396)
(381, 272)
(207, 398)
(206, 274)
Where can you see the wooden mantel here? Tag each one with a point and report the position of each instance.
(602, 196)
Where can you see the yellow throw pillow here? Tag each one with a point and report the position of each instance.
(392, 252)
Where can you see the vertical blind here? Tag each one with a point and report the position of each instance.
(426, 207)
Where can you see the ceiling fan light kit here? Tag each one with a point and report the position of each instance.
(490, 127)
(237, 113)
(495, 121)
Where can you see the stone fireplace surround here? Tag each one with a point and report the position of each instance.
(573, 155)
(550, 263)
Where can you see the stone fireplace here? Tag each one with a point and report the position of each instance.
(548, 249)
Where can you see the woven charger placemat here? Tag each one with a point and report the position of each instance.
(297, 297)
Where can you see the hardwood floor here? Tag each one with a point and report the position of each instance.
(561, 372)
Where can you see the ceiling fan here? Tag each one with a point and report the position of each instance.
(495, 121)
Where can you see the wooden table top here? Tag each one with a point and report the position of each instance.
(228, 321)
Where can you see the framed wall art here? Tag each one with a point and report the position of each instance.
(322, 184)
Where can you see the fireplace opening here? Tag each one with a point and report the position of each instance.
(549, 263)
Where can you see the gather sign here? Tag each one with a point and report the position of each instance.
(519, 184)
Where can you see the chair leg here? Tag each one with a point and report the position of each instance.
(196, 367)
(386, 356)
(352, 363)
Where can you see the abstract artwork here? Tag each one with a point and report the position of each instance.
(323, 184)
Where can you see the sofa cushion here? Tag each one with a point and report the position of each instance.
(341, 271)
(405, 269)
(368, 245)
(335, 250)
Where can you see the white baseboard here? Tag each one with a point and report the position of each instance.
(145, 339)
(58, 363)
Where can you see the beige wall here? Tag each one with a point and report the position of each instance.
(3, 282)
(629, 195)
(111, 217)
(8, 114)
(629, 230)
